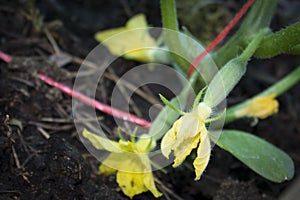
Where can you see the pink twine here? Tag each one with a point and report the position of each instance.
(96, 104)
(6, 58)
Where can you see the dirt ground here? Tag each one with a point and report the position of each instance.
(33, 166)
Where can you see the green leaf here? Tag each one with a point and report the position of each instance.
(168, 103)
(198, 98)
(259, 155)
(222, 84)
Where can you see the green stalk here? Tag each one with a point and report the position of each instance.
(169, 21)
(277, 89)
(169, 15)
(254, 45)
(280, 42)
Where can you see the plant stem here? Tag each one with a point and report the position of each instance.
(277, 89)
(280, 42)
(169, 21)
(169, 15)
(253, 46)
(295, 50)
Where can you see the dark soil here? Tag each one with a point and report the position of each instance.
(36, 167)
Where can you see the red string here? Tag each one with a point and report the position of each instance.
(96, 104)
(220, 37)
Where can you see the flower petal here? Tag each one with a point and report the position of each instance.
(135, 180)
(182, 150)
(203, 111)
(203, 155)
(102, 143)
(131, 183)
(132, 41)
(137, 21)
(103, 35)
(106, 170)
(169, 140)
(150, 185)
(260, 107)
(126, 161)
(131, 179)
(188, 127)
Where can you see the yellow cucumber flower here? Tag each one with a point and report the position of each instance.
(133, 42)
(131, 162)
(259, 107)
(187, 133)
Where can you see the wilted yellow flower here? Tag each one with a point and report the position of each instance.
(131, 162)
(133, 42)
(187, 133)
(259, 107)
